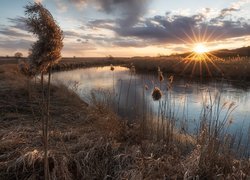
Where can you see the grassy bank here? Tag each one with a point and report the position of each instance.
(91, 142)
(231, 68)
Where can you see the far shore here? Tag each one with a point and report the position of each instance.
(230, 68)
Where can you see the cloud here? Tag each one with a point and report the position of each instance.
(17, 29)
(130, 43)
(235, 7)
(178, 28)
(70, 34)
(11, 46)
(38, 1)
(18, 23)
(224, 13)
(62, 7)
(240, 3)
(168, 29)
(102, 23)
(129, 11)
(105, 40)
(164, 28)
(13, 33)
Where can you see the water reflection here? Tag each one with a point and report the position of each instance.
(185, 101)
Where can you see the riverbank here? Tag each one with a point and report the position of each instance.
(91, 142)
(229, 68)
(234, 68)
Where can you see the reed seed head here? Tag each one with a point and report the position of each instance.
(230, 121)
(132, 69)
(160, 76)
(156, 94)
(112, 67)
(171, 79)
(159, 69)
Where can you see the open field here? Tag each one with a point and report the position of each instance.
(91, 142)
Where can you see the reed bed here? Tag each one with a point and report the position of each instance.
(89, 140)
(216, 67)
(211, 143)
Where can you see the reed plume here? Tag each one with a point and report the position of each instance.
(171, 79)
(156, 94)
(132, 69)
(160, 76)
(112, 67)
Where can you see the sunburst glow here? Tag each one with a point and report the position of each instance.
(200, 48)
(200, 60)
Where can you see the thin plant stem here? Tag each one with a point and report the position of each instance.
(46, 144)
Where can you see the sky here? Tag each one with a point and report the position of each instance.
(126, 28)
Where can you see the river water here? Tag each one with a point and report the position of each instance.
(186, 100)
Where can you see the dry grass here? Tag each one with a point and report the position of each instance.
(236, 68)
(89, 142)
(217, 68)
(223, 68)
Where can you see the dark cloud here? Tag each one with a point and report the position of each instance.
(130, 30)
(15, 44)
(130, 43)
(18, 23)
(16, 29)
(101, 23)
(223, 13)
(179, 29)
(164, 28)
(175, 29)
(13, 32)
(70, 34)
(227, 11)
(129, 10)
(107, 41)
(168, 29)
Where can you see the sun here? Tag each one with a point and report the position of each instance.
(200, 48)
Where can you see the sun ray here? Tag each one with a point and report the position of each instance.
(194, 67)
(194, 36)
(201, 60)
(209, 72)
(204, 35)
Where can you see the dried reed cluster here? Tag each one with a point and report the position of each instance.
(47, 50)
